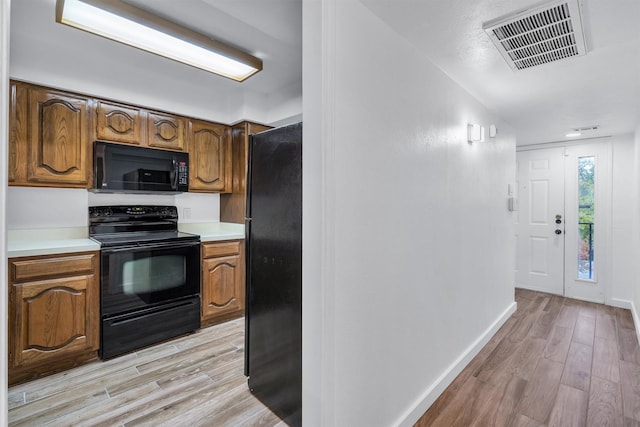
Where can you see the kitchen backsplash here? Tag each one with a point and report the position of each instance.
(32, 207)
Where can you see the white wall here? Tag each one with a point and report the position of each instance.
(5, 6)
(33, 207)
(276, 109)
(635, 232)
(416, 253)
(623, 259)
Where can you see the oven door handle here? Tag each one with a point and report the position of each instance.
(143, 246)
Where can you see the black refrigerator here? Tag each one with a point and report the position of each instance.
(273, 359)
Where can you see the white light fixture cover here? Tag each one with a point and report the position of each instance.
(116, 20)
(475, 133)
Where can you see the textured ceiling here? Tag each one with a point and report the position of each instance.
(541, 103)
(545, 102)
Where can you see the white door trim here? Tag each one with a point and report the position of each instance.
(606, 243)
(563, 143)
(5, 16)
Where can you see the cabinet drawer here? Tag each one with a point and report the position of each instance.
(219, 249)
(29, 269)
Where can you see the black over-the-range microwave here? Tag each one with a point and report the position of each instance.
(125, 168)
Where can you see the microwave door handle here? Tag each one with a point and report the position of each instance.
(99, 170)
(174, 185)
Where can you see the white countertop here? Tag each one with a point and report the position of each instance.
(47, 241)
(214, 231)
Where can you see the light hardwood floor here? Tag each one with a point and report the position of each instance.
(196, 380)
(555, 362)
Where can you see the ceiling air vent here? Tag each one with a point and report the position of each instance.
(538, 35)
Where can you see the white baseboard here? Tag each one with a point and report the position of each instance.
(620, 303)
(536, 289)
(430, 395)
(636, 319)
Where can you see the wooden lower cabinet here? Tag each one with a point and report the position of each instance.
(223, 277)
(54, 313)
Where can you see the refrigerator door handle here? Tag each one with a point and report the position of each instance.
(247, 291)
(249, 183)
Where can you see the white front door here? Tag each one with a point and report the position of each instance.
(563, 223)
(539, 250)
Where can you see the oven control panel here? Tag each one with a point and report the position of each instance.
(132, 213)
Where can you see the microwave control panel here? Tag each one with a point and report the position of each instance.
(183, 175)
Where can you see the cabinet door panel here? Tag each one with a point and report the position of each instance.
(119, 123)
(55, 318)
(167, 131)
(59, 138)
(221, 290)
(210, 150)
(18, 128)
(44, 332)
(233, 205)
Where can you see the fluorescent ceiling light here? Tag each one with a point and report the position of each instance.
(573, 134)
(119, 21)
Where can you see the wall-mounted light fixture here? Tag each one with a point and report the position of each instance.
(475, 133)
(119, 21)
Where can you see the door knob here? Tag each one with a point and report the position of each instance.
(558, 221)
(558, 231)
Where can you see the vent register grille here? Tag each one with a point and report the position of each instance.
(538, 36)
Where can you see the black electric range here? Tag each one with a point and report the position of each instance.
(149, 276)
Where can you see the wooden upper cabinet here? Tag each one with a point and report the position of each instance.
(167, 131)
(120, 123)
(18, 126)
(233, 205)
(51, 134)
(49, 137)
(209, 157)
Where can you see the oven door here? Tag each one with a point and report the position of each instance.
(143, 276)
